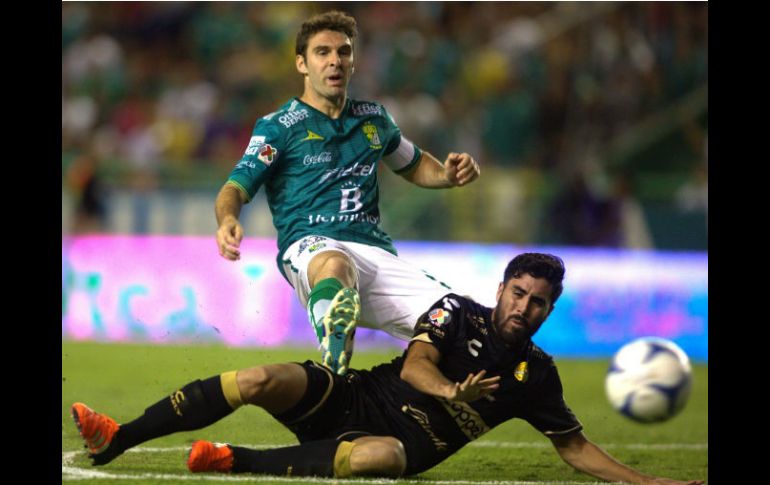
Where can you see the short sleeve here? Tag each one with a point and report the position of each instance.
(439, 325)
(265, 148)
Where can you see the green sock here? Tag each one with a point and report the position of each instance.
(318, 302)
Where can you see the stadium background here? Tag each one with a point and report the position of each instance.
(589, 120)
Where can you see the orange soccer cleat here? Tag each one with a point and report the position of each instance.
(206, 456)
(98, 431)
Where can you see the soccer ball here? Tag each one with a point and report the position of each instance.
(649, 380)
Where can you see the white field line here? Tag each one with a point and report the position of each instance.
(617, 446)
(70, 472)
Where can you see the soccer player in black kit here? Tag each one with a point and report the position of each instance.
(467, 369)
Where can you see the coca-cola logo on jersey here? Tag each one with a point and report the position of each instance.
(324, 157)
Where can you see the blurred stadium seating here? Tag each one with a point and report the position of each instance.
(158, 101)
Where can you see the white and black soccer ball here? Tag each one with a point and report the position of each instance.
(649, 380)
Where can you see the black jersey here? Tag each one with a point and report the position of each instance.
(463, 333)
(379, 402)
(530, 387)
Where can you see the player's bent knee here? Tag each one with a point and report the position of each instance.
(332, 264)
(381, 456)
(394, 459)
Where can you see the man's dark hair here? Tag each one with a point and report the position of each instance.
(334, 20)
(539, 265)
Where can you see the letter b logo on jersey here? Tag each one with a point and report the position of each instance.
(351, 200)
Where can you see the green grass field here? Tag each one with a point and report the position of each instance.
(121, 380)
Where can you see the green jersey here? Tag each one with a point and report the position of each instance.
(320, 174)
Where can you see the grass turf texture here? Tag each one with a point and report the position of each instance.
(121, 380)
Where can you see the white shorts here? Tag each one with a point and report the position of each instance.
(393, 293)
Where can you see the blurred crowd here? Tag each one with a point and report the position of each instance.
(558, 87)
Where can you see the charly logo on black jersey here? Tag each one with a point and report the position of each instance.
(176, 401)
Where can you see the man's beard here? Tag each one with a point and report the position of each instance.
(518, 335)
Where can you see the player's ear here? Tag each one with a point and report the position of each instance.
(300, 63)
(500, 288)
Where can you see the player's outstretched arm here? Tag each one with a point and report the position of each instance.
(227, 208)
(422, 372)
(457, 170)
(583, 455)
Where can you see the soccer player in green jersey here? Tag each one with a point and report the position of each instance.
(317, 158)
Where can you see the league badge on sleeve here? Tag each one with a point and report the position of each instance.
(439, 316)
(267, 154)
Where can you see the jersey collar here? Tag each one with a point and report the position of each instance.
(343, 113)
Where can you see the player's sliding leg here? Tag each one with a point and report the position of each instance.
(318, 302)
(194, 406)
(334, 307)
(371, 455)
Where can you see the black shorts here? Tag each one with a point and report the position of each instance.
(346, 408)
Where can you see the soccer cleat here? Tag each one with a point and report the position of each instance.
(206, 456)
(98, 431)
(339, 329)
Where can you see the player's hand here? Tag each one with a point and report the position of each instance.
(229, 236)
(461, 169)
(474, 387)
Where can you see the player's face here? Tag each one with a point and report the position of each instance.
(523, 304)
(327, 64)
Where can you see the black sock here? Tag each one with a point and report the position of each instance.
(195, 406)
(314, 458)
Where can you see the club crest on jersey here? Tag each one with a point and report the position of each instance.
(521, 373)
(372, 135)
(439, 317)
(267, 154)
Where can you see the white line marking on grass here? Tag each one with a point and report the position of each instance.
(625, 446)
(81, 474)
(70, 472)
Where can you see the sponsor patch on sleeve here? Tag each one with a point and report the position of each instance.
(254, 144)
